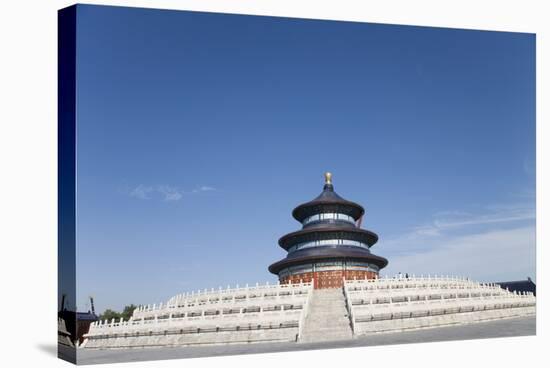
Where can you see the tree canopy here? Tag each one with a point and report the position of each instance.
(126, 313)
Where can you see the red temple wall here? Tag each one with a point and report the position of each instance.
(328, 279)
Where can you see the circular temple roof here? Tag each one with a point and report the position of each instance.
(327, 253)
(328, 201)
(324, 233)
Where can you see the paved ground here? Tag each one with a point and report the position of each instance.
(502, 328)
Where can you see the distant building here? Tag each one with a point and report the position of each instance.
(520, 286)
(73, 325)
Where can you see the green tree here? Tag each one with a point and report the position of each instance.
(109, 314)
(128, 311)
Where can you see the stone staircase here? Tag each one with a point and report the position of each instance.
(328, 317)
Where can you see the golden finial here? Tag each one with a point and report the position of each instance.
(328, 178)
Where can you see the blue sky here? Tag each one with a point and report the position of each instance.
(199, 133)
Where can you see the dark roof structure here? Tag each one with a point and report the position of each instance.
(330, 232)
(87, 316)
(519, 286)
(328, 201)
(327, 254)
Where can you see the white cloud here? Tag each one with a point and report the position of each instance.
(170, 193)
(203, 188)
(166, 192)
(496, 255)
(494, 214)
(141, 192)
(495, 245)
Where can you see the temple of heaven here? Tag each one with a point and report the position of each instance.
(331, 246)
(328, 290)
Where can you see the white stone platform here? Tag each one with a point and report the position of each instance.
(400, 304)
(262, 313)
(297, 313)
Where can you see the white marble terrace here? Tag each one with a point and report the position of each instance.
(277, 312)
(260, 313)
(398, 304)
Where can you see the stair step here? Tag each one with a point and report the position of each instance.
(328, 317)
